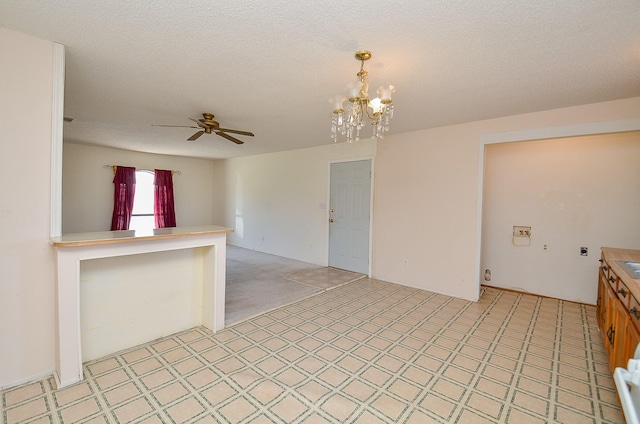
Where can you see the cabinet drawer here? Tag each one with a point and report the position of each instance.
(612, 279)
(623, 293)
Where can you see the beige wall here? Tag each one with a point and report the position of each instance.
(87, 187)
(425, 210)
(278, 202)
(163, 297)
(573, 192)
(27, 265)
(428, 194)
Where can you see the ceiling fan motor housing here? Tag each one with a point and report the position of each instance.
(209, 122)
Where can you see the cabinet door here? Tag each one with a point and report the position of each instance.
(631, 340)
(620, 337)
(610, 300)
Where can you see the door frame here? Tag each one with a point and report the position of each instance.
(371, 200)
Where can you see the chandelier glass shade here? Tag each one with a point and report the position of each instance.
(352, 112)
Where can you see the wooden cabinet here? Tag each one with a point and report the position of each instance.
(610, 322)
(618, 355)
(601, 309)
(618, 312)
(630, 340)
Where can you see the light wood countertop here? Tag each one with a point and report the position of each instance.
(612, 255)
(110, 237)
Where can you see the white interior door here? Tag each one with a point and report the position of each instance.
(349, 217)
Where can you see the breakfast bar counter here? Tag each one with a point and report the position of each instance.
(203, 245)
(109, 237)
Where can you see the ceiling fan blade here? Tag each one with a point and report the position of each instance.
(236, 131)
(195, 136)
(228, 137)
(200, 124)
(174, 126)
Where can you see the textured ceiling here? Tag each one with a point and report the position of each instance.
(270, 67)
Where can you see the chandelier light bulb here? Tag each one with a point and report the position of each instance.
(353, 91)
(385, 93)
(376, 106)
(337, 101)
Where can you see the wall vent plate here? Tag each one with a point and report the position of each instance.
(521, 235)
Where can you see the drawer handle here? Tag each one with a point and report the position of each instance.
(623, 292)
(605, 268)
(635, 312)
(610, 335)
(612, 280)
(613, 334)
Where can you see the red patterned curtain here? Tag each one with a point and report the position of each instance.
(163, 208)
(125, 188)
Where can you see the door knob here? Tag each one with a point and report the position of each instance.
(330, 219)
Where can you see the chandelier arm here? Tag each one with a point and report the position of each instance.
(373, 118)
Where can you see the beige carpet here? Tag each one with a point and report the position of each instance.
(324, 278)
(259, 282)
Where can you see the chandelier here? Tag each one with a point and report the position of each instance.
(348, 119)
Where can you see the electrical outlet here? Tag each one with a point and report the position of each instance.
(584, 251)
(405, 262)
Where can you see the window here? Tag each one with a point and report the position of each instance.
(142, 219)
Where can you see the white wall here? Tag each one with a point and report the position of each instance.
(427, 196)
(573, 192)
(277, 203)
(27, 262)
(425, 210)
(163, 296)
(87, 187)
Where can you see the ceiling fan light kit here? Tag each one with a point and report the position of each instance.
(348, 119)
(208, 125)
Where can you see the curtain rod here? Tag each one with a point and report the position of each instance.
(142, 169)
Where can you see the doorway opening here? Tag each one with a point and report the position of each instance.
(530, 135)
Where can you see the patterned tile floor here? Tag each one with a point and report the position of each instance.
(365, 352)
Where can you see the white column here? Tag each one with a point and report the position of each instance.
(69, 355)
